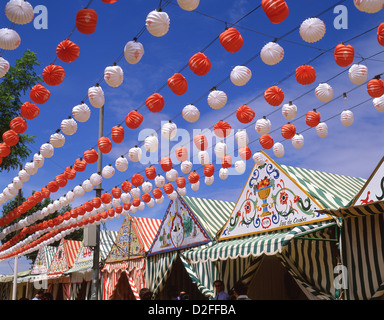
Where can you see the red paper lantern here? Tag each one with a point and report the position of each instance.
(201, 142)
(178, 84)
(305, 74)
(146, 197)
(96, 202)
(136, 202)
(86, 21)
(222, 129)
(181, 153)
(180, 182)
(61, 180)
(106, 197)
(38, 196)
(18, 124)
(150, 172)
(104, 144)
(344, 55)
(126, 186)
(88, 206)
(137, 179)
(155, 102)
(274, 96)
(29, 110)
(375, 87)
(380, 34)
(168, 188)
(312, 118)
(199, 64)
(193, 177)
(73, 213)
(80, 165)
(245, 114)
(266, 141)
(10, 138)
(127, 206)
(111, 212)
(209, 170)
(5, 150)
(231, 40)
(119, 209)
(81, 210)
(91, 156)
(67, 51)
(245, 153)
(288, 131)
(157, 193)
(133, 120)
(53, 186)
(70, 173)
(226, 161)
(117, 134)
(45, 192)
(39, 94)
(53, 75)
(276, 10)
(116, 192)
(166, 163)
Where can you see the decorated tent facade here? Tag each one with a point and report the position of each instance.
(281, 223)
(125, 266)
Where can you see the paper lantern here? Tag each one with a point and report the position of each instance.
(245, 114)
(96, 96)
(324, 92)
(322, 130)
(274, 96)
(61, 180)
(195, 186)
(245, 153)
(166, 163)
(114, 76)
(312, 118)
(193, 177)
(133, 52)
(39, 94)
(78, 191)
(344, 55)
(209, 170)
(380, 34)
(126, 186)
(29, 110)
(5, 150)
(375, 87)
(181, 153)
(178, 84)
(121, 164)
(80, 165)
(188, 5)
(116, 192)
(108, 172)
(86, 21)
(181, 191)
(199, 64)
(53, 75)
(378, 103)
(22, 175)
(209, 180)
(240, 75)
(10, 138)
(38, 160)
(146, 197)
(150, 172)
(190, 113)
(266, 141)
(369, 6)
(171, 175)
(9, 39)
(263, 126)
(87, 185)
(151, 143)
(125, 197)
(186, 166)
(45, 192)
(298, 141)
(106, 197)
(200, 141)
(241, 138)
(4, 67)
(220, 149)
(70, 173)
(117, 134)
(217, 99)
(134, 119)
(155, 102)
(226, 161)
(18, 124)
(135, 154)
(46, 150)
(67, 51)
(157, 23)
(276, 10)
(68, 126)
(272, 53)
(358, 74)
(223, 173)
(203, 157)
(181, 182)
(312, 30)
(81, 112)
(240, 166)
(288, 130)
(231, 40)
(289, 111)
(278, 150)
(104, 144)
(157, 193)
(137, 179)
(346, 118)
(91, 156)
(159, 181)
(305, 74)
(169, 130)
(53, 186)
(19, 11)
(222, 129)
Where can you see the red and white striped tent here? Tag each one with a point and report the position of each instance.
(127, 257)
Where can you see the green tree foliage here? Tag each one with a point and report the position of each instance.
(14, 85)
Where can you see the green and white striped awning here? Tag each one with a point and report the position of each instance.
(362, 210)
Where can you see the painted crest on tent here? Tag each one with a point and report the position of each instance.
(65, 256)
(270, 200)
(43, 260)
(179, 229)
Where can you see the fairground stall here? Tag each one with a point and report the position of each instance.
(188, 222)
(6, 286)
(125, 266)
(274, 239)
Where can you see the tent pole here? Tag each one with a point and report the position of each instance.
(16, 264)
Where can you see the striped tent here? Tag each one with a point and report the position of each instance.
(127, 255)
(42, 262)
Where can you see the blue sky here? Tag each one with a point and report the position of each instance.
(353, 151)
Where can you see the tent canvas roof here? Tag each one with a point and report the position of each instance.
(43, 260)
(64, 257)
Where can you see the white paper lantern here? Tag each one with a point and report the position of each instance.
(87, 185)
(4, 67)
(188, 5)
(272, 53)
(223, 173)
(157, 23)
(125, 197)
(217, 99)
(9, 39)
(81, 112)
(358, 73)
(298, 141)
(241, 138)
(70, 196)
(23, 176)
(203, 157)
(263, 126)
(278, 150)
(19, 11)
(159, 181)
(169, 130)
(195, 186)
(38, 160)
(108, 172)
(182, 191)
(57, 140)
(312, 30)
(172, 195)
(258, 158)
(346, 118)
(30, 168)
(68, 126)
(240, 166)
(114, 76)
(160, 200)
(151, 203)
(220, 149)
(151, 143)
(95, 179)
(78, 191)
(146, 187)
(190, 113)
(17, 183)
(289, 111)
(47, 150)
(121, 164)
(133, 52)
(240, 75)
(141, 206)
(209, 180)
(7, 194)
(369, 6)
(322, 130)
(324, 92)
(378, 103)
(12, 190)
(96, 96)
(135, 154)
(186, 166)
(116, 202)
(171, 175)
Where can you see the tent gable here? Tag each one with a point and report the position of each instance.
(64, 257)
(271, 200)
(43, 260)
